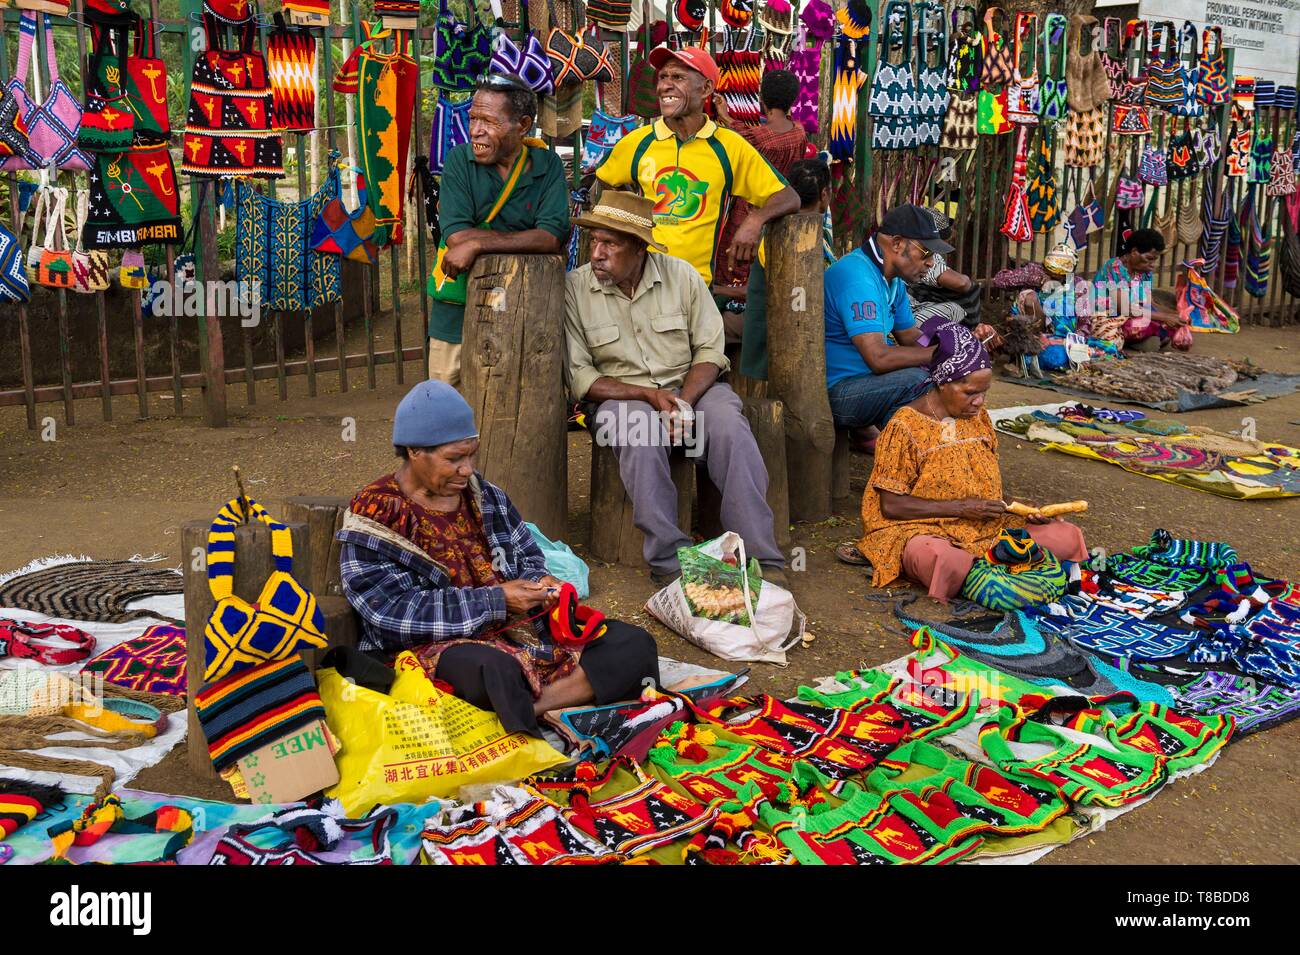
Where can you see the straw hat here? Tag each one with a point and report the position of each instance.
(623, 212)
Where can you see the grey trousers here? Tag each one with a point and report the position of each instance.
(734, 466)
(950, 310)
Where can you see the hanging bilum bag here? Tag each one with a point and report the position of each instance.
(1087, 86)
(14, 286)
(1212, 69)
(50, 264)
(1282, 182)
(1164, 71)
(1053, 91)
(893, 103)
(273, 248)
(349, 234)
(450, 128)
(847, 81)
(1261, 159)
(528, 60)
(1179, 159)
(1189, 67)
(1023, 104)
(1041, 192)
(13, 132)
(51, 126)
(133, 199)
(931, 70)
(965, 66)
(1214, 223)
(1259, 254)
(1237, 161)
(228, 129)
(603, 135)
(1290, 246)
(1166, 223)
(89, 269)
(610, 14)
(442, 288)
(642, 95)
(574, 59)
(1189, 216)
(284, 619)
(739, 69)
(1206, 146)
(1131, 115)
(1016, 223)
(1265, 91)
(965, 52)
(991, 107)
(131, 274)
(461, 51)
(1112, 56)
(1129, 193)
(291, 66)
(1153, 169)
(107, 121)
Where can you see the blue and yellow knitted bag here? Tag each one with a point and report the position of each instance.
(283, 621)
(1015, 573)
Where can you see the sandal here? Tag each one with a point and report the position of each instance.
(848, 553)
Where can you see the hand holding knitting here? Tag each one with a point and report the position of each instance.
(523, 595)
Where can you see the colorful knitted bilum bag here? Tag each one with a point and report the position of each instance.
(1014, 573)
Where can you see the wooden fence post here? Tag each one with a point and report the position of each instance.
(796, 341)
(512, 376)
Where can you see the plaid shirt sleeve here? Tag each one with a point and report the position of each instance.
(531, 562)
(400, 610)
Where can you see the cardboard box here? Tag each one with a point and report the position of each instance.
(292, 767)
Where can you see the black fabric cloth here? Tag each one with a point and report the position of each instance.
(361, 668)
(615, 665)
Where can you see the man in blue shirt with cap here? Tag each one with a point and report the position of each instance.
(866, 303)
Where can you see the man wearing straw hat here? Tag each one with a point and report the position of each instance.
(644, 341)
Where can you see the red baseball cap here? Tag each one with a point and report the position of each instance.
(691, 56)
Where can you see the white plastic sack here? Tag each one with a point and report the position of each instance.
(765, 630)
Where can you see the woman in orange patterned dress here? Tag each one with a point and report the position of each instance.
(934, 500)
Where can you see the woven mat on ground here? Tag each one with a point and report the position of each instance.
(1200, 458)
(1169, 382)
(78, 588)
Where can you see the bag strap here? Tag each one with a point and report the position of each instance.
(221, 544)
(511, 181)
(1217, 34)
(1163, 44)
(26, 41)
(61, 222)
(932, 13)
(887, 30)
(1026, 23)
(1055, 32)
(144, 39)
(1189, 31)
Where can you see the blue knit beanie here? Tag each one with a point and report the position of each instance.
(432, 413)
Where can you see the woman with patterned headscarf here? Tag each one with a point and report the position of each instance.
(934, 500)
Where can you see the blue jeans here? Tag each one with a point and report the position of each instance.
(872, 399)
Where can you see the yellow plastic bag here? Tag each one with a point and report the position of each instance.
(417, 742)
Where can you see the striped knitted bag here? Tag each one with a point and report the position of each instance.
(1172, 551)
(844, 105)
(291, 64)
(283, 620)
(246, 711)
(1015, 572)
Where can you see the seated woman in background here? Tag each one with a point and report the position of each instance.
(1124, 307)
(437, 560)
(811, 179)
(934, 500)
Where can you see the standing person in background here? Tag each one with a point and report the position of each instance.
(692, 168)
(779, 140)
(531, 202)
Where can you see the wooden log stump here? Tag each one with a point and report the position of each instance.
(253, 564)
(797, 360)
(767, 421)
(614, 537)
(841, 468)
(512, 376)
(324, 518)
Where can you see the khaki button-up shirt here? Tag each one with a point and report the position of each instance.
(652, 339)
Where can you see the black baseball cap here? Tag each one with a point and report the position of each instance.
(914, 222)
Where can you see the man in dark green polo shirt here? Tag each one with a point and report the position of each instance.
(533, 220)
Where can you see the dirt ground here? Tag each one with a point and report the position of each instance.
(119, 489)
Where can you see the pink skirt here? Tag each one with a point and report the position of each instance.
(942, 567)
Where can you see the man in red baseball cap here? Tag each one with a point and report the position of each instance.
(691, 167)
